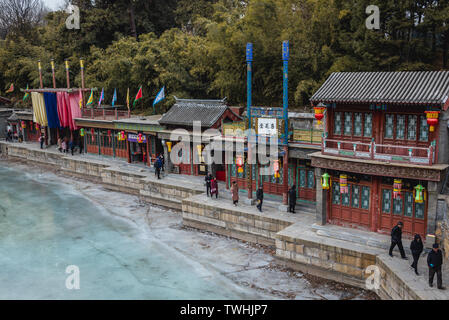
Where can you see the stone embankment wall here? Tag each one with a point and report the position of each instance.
(159, 192)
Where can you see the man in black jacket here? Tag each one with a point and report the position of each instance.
(435, 261)
(396, 239)
(208, 179)
(292, 199)
(259, 197)
(416, 246)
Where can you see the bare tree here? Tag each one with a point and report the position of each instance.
(20, 16)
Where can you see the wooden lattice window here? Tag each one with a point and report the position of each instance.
(345, 197)
(365, 197)
(355, 196)
(423, 129)
(368, 125)
(386, 201)
(419, 210)
(335, 193)
(310, 179)
(400, 127)
(411, 127)
(389, 126)
(347, 130)
(408, 204)
(358, 124)
(337, 123)
(397, 206)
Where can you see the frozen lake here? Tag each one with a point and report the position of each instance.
(126, 249)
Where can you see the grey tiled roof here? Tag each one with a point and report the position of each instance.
(185, 111)
(404, 87)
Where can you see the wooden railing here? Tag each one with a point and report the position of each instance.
(379, 152)
(105, 114)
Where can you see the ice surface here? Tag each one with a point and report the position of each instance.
(125, 249)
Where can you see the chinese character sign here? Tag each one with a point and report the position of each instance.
(267, 126)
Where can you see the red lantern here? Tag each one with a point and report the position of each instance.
(139, 136)
(397, 186)
(276, 168)
(24, 125)
(432, 119)
(92, 132)
(344, 184)
(319, 113)
(239, 162)
(37, 127)
(122, 135)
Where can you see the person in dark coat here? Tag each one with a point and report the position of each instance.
(71, 146)
(396, 239)
(208, 179)
(235, 193)
(214, 187)
(416, 246)
(435, 261)
(41, 140)
(157, 166)
(259, 197)
(292, 199)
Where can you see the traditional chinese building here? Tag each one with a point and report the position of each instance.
(384, 153)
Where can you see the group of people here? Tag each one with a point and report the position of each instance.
(434, 258)
(159, 165)
(65, 144)
(13, 136)
(212, 186)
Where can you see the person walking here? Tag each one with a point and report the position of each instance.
(435, 261)
(292, 199)
(396, 239)
(59, 145)
(41, 140)
(81, 143)
(157, 166)
(64, 145)
(208, 180)
(71, 146)
(235, 193)
(214, 187)
(259, 197)
(416, 246)
(162, 162)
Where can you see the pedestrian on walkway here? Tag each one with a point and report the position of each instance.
(235, 193)
(416, 246)
(157, 167)
(214, 187)
(59, 145)
(259, 197)
(64, 145)
(41, 140)
(81, 145)
(208, 180)
(71, 146)
(435, 261)
(396, 239)
(292, 199)
(162, 162)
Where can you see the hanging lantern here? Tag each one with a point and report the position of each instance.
(92, 133)
(169, 146)
(397, 186)
(325, 181)
(239, 162)
(419, 194)
(344, 183)
(199, 149)
(276, 169)
(37, 127)
(24, 125)
(140, 138)
(432, 119)
(319, 113)
(122, 136)
(82, 132)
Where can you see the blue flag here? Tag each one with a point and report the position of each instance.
(160, 96)
(114, 97)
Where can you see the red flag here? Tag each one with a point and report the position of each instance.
(11, 88)
(138, 96)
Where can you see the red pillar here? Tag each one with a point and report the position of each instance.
(285, 194)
